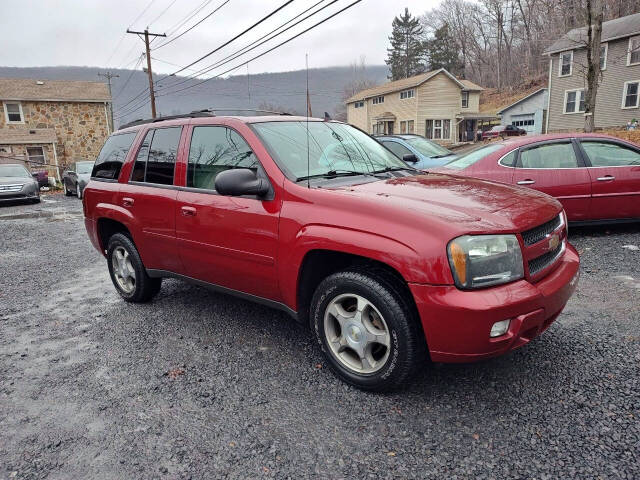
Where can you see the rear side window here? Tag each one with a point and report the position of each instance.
(474, 156)
(508, 159)
(156, 159)
(553, 155)
(112, 156)
(604, 154)
(214, 150)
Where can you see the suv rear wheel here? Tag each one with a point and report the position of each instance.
(366, 329)
(127, 271)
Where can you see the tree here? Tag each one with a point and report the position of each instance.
(442, 51)
(359, 81)
(595, 14)
(406, 54)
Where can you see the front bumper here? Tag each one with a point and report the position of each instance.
(27, 192)
(457, 323)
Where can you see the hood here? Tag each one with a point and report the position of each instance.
(460, 204)
(11, 180)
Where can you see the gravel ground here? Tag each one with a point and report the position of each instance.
(200, 385)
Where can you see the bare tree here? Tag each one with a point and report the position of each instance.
(595, 14)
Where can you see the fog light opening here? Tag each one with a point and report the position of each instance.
(499, 328)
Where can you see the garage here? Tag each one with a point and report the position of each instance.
(526, 122)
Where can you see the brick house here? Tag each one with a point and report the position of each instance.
(52, 122)
(436, 105)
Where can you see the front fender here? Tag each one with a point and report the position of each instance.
(397, 255)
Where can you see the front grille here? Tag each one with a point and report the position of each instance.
(543, 261)
(541, 231)
(16, 187)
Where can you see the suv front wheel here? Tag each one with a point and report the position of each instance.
(367, 330)
(127, 271)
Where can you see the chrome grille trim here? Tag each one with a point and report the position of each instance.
(14, 187)
(542, 262)
(536, 234)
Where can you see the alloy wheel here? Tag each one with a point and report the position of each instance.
(356, 333)
(123, 271)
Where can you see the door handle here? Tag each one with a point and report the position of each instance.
(188, 211)
(606, 178)
(127, 202)
(526, 182)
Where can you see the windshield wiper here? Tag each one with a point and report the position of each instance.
(335, 174)
(442, 155)
(393, 169)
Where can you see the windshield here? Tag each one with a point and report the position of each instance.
(426, 147)
(472, 157)
(332, 148)
(13, 171)
(84, 167)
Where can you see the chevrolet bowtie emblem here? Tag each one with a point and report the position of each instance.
(554, 241)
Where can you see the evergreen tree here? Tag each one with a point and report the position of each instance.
(443, 52)
(406, 54)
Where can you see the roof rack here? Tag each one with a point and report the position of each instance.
(207, 112)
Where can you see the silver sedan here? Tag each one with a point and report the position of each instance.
(17, 183)
(76, 177)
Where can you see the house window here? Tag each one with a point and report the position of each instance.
(407, 94)
(630, 94)
(5, 150)
(377, 100)
(465, 99)
(633, 55)
(406, 126)
(35, 154)
(574, 101)
(604, 48)
(13, 112)
(438, 129)
(566, 64)
(359, 104)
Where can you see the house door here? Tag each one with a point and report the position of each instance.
(389, 128)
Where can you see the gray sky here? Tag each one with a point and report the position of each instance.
(90, 32)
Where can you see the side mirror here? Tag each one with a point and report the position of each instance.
(241, 181)
(409, 158)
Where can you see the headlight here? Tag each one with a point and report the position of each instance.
(485, 260)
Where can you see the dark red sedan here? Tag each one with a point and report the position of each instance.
(595, 177)
(503, 131)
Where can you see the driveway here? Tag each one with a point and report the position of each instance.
(200, 385)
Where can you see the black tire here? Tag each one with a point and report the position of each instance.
(145, 287)
(66, 190)
(36, 200)
(407, 345)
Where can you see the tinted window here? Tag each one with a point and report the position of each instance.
(140, 165)
(554, 155)
(214, 150)
(399, 150)
(473, 157)
(158, 151)
(508, 159)
(112, 156)
(603, 154)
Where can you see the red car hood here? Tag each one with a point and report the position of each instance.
(459, 203)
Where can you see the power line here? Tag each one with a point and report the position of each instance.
(162, 13)
(142, 13)
(193, 26)
(176, 26)
(152, 96)
(213, 51)
(252, 59)
(139, 61)
(255, 44)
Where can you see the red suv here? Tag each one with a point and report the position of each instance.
(318, 219)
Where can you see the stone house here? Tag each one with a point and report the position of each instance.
(436, 105)
(52, 123)
(618, 100)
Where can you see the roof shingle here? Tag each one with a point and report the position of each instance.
(53, 90)
(617, 28)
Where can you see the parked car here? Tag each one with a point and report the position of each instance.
(76, 177)
(381, 261)
(595, 177)
(17, 183)
(416, 150)
(503, 131)
(42, 177)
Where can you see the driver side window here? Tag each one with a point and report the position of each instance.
(399, 150)
(214, 150)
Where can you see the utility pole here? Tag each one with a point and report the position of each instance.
(109, 76)
(152, 94)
